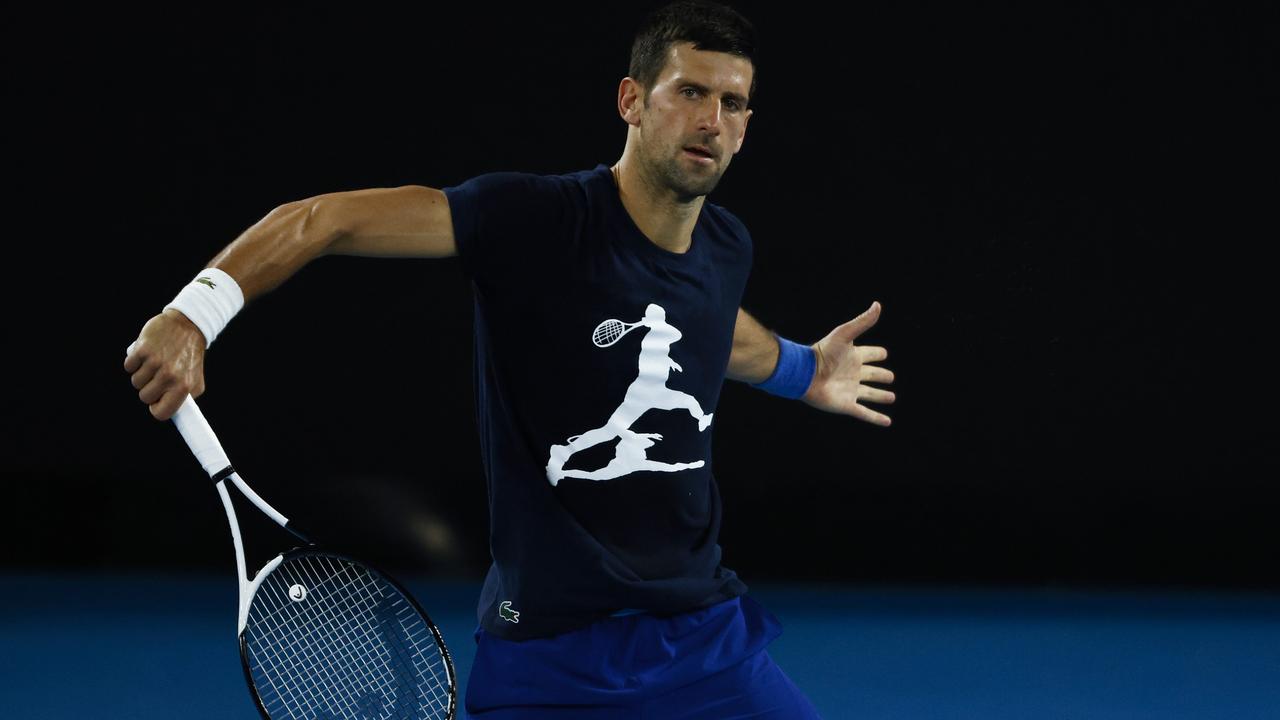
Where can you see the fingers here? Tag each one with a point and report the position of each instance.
(871, 353)
(168, 404)
(868, 415)
(154, 389)
(876, 395)
(143, 375)
(160, 388)
(850, 331)
(171, 399)
(166, 363)
(132, 362)
(871, 373)
(162, 383)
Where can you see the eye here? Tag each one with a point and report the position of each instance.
(689, 90)
(733, 105)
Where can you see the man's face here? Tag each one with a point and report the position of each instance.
(699, 100)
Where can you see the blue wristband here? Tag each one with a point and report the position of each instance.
(794, 371)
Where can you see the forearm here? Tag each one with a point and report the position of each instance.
(278, 246)
(755, 350)
(167, 360)
(409, 221)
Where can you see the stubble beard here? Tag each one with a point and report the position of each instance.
(671, 171)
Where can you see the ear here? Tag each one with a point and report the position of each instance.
(630, 101)
(743, 135)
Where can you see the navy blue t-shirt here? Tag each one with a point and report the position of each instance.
(599, 359)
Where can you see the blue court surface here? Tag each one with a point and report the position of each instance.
(164, 647)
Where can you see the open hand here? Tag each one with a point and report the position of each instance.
(840, 382)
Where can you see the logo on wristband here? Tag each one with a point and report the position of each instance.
(206, 281)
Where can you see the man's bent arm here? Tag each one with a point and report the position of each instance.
(755, 350)
(166, 363)
(411, 221)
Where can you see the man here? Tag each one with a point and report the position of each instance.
(606, 597)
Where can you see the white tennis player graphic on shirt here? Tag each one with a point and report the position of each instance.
(649, 391)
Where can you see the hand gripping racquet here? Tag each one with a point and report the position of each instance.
(322, 635)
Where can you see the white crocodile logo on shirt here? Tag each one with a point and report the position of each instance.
(506, 613)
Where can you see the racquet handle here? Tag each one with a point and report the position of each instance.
(199, 436)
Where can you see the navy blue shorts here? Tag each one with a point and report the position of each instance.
(707, 664)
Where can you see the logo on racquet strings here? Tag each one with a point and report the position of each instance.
(297, 593)
(649, 391)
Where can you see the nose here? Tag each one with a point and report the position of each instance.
(709, 116)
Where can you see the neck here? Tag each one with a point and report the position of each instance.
(662, 217)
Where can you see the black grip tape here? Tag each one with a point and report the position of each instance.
(223, 474)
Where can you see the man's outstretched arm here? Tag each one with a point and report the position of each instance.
(755, 350)
(841, 372)
(167, 361)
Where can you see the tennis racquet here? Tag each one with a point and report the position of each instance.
(611, 331)
(322, 635)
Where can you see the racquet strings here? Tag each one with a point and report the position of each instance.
(328, 638)
(608, 332)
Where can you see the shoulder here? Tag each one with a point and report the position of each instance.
(727, 224)
(512, 182)
(507, 200)
(505, 219)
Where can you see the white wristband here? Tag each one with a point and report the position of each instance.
(209, 301)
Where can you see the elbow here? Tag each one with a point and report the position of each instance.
(311, 222)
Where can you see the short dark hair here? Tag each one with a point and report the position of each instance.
(708, 25)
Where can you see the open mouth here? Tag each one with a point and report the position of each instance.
(700, 154)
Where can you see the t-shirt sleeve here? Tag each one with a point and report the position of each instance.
(744, 250)
(744, 239)
(509, 221)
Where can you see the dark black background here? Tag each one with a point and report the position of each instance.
(1066, 213)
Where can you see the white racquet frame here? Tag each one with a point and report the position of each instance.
(205, 446)
(434, 676)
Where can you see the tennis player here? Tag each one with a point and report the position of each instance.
(607, 316)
